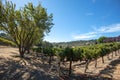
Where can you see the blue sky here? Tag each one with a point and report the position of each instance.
(80, 19)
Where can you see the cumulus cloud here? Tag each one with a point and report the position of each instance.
(98, 31)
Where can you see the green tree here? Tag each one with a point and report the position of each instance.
(101, 39)
(69, 54)
(25, 26)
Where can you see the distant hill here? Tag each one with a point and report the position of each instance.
(86, 42)
(112, 39)
(75, 43)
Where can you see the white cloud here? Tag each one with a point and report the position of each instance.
(84, 36)
(110, 28)
(98, 31)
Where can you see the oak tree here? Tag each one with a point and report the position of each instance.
(26, 26)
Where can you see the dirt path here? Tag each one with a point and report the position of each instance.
(8, 51)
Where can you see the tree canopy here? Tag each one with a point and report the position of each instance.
(26, 26)
(101, 39)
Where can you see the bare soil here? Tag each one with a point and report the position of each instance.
(14, 68)
(110, 69)
(8, 52)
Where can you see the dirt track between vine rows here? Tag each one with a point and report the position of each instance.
(111, 68)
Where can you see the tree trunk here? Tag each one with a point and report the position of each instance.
(70, 66)
(95, 62)
(80, 61)
(86, 67)
(115, 53)
(102, 59)
(108, 56)
(59, 68)
(22, 55)
(28, 51)
(21, 51)
(112, 54)
(50, 59)
(43, 57)
(119, 52)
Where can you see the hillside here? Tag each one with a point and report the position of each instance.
(75, 43)
(12, 67)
